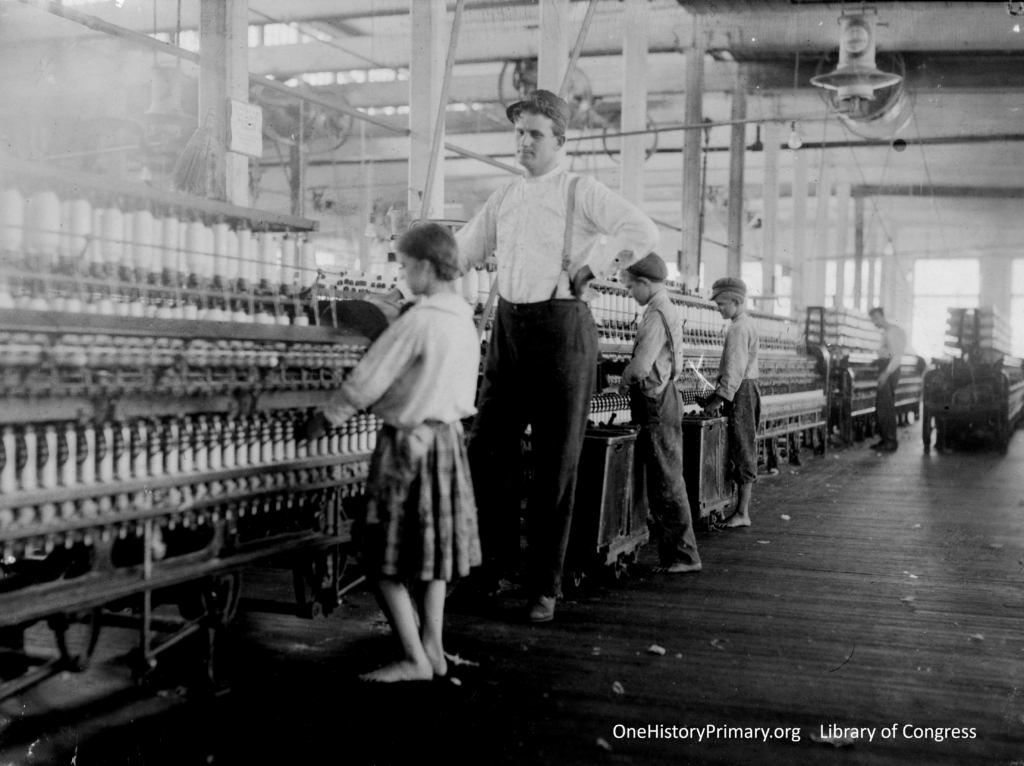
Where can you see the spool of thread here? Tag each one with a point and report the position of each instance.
(186, 451)
(267, 260)
(43, 225)
(214, 445)
(194, 244)
(12, 220)
(252, 441)
(139, 450)
(87, 455)
(308, 270)
(245, 254)
(227, 443)
(67, 462)
(123, 452)
(48, 453)
(289, 264)
(143, 239)
(169, 244)
(227, 267)
(112, 232)
(221, 248)
(200, 445)
(171, 447)
(105, 453)
(8, 472)
(29, 464)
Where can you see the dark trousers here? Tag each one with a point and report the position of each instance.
(885, 409)
(744, 416)
(659, 454)
(540, 371)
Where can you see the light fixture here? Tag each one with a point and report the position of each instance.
(856, 77)
(757, 146)
(795, 141)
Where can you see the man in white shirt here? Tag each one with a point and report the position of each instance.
(544, 230)
(890, 357)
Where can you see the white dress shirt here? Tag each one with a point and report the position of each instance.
(523, 225)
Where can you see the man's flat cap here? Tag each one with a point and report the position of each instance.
(729, 285)
(652, 267)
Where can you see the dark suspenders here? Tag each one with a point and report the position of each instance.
(570, 214)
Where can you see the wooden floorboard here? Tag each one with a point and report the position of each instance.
(891, 595)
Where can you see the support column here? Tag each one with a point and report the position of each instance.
(690, 251)
(553, 58)
(634, 100)
(770, 213)
(737, 157)
(858, 251)
(799, 253)
(429, 21)
(996, 288)
(223, 75)
(842, 227)
(824, 200)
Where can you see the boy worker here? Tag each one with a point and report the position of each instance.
(656, 407)
(737, 394)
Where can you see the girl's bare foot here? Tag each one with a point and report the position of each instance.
(436, 656)
(736, 520)
(403, 670)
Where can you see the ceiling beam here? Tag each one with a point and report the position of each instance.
(918, 190)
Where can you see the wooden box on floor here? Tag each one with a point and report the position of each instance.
(706, 468)
(609, 525)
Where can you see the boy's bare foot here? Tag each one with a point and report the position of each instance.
(437, 660)
(736, 520)
(681, 568)
(402, 670)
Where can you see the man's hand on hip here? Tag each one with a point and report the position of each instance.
(581, 285)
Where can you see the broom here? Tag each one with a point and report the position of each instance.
(190, 169)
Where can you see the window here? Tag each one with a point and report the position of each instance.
(1017, 306)
(939, 285)
(280, 34)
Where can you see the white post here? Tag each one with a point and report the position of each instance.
(553, 58)
(691, 250)
(770, 212)
(798, 300)
(224, 75)
(426, 81)
(634, 100)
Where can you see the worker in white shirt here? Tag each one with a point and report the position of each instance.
(544, 230)
(890, 356)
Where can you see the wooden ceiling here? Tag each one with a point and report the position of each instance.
(955, 185)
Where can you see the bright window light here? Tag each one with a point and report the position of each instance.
(320, 78)
(280, 34)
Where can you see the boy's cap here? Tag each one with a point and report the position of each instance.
(542, 98)
(729, 285)
(651, 267)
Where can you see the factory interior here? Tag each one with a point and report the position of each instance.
(200, 205)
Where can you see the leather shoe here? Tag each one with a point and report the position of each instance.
(543, 609)
(878, 445)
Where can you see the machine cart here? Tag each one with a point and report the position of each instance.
(710, 490)
(964, 398)
(609, 523)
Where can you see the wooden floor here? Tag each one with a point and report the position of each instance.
(891, 595)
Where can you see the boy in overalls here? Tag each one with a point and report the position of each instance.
(656, 407)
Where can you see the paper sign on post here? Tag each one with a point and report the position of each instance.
(246, 129)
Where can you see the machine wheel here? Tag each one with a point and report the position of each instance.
(76, 636)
